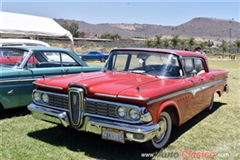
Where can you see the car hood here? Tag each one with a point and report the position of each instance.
(112, 84)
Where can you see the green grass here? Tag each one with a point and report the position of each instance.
(23, 137)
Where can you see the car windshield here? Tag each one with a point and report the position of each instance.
(150, 63)
(11, 58)
(38, 59)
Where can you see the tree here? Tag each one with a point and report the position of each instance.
(65, 25)
(165, 43)
(157, 41)
(183, 43)
(107, 35)
(116, 37)
(209, 43)
(148, 43)
(202, 45)
(73, 28)
(191, 42)
(237, 45)
(223, 47)
(175, 40)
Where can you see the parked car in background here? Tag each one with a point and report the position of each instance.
(22, 42)
(16, 56)
(94, 55)
(33, 62)
(138, 95)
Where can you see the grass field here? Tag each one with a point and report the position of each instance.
(25, 138)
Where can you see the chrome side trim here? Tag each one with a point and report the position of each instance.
(18, 80)
(210, 84)
(192, 90)
(48, 86)
(166, 97)
(31, 79)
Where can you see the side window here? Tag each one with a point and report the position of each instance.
(188, 65)
(53, 59)
(199, 66)
(92, 53)
(67, 59)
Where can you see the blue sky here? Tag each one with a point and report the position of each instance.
(160, 12)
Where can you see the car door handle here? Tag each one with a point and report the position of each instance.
(64, 70)
(201, 79)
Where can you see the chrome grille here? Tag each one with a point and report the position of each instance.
(100, 109)
(91, 107)
(58, 101)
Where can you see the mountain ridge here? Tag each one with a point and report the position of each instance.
(201, 28)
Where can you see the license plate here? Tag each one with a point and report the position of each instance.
(113, 134)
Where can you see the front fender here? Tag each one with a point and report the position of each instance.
(166, 105)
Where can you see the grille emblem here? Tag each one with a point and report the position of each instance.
(75, 100)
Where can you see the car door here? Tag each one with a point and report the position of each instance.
(193, 91)
(206, 79)
(9, 87)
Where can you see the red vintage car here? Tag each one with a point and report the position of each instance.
(137, 96)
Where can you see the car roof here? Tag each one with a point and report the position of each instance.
(22, 42)
(171, 51)
(35, 48)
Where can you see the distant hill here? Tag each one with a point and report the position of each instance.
(200, 28)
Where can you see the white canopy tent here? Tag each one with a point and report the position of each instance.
(15, 24)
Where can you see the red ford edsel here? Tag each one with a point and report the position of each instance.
(138, 95)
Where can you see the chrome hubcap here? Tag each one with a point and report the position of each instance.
(162, 129)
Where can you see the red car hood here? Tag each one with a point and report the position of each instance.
(113, 84)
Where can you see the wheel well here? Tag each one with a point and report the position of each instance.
(219, 93)
(174, 114)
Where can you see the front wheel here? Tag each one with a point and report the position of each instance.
(102, 60)
(163, 134)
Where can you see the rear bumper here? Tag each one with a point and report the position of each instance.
(137, 133)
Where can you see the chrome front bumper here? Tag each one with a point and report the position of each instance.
(137, 133)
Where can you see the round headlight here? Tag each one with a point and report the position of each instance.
(45, 98)
(36, 96)
(134, 114)
(122, 112)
